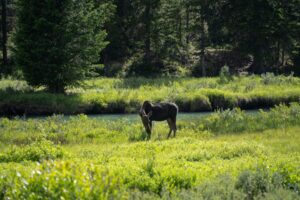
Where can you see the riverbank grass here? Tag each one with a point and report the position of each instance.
(83, 158)
(112, 95)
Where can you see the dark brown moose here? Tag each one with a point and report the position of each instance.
(159, 112)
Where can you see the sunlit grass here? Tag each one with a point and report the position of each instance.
(223, 154)
(113, 95)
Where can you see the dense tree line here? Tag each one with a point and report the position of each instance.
(7, 20)
(146, 37)
(167, 33)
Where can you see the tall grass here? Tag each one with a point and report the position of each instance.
(125, 95)
(227, 155)
(82, 129)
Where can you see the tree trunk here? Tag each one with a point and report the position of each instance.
(187, 24)
(258, 66)
(278, 54)
(56, 88)
(282, 57)
(202, 44)
(4, 32)
(180, 29)
(147, 32)
(187, 34)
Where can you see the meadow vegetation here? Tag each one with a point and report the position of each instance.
(229, 154)
(113, 95)
(60, 54)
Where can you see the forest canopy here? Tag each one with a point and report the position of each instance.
(149, 37)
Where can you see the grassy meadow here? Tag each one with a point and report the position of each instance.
(113, 95)
(79, 80)
(226, 155)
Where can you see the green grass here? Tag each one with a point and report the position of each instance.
(111, 95)
(226, 155)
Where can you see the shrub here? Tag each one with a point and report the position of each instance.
(237, 121)
(279, 193)
(62, 180)
(220, 188)
(269, 78)
(258, 184)
(37, 151)
(254, 184)
(225, 76)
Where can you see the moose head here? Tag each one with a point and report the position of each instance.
(146, 120)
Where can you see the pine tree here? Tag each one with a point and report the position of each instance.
(4, 31)
(56, 41)
(7, 26)
(264, 28)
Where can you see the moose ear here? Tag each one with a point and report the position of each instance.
(150, 114)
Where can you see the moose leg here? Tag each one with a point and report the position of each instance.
(150, 126)
(170, 126)
(174, 126)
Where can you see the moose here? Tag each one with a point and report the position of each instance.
(159, 112)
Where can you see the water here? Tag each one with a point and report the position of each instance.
(129, 117)
(180, 116)
(135, 117)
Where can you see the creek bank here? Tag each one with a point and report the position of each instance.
(69, 107)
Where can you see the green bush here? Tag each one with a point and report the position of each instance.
(221, 188)
(254, 184)
(36, 151)
(237, 121)
(62, 180)
(69, 181)
(249, 185)
(262, 183)
(225, 76)
(279, 193)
